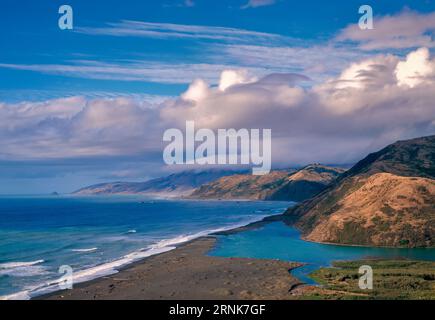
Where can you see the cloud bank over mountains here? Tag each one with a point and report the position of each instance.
(369, 104)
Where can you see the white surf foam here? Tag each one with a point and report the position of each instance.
(22, 295)
(112, 267)
(12, 265)
(22, 269)
(85, 250)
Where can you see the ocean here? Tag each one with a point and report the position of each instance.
(95, 236)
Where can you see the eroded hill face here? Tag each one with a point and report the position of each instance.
(242, 186)
(286, 185)
(386, 210)
(387, 199)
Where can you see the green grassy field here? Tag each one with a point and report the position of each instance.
(392, 279)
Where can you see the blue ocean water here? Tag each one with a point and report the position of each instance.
(97, 235)
(278, 241)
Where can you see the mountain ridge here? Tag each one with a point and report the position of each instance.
(280, 185)
(400, 213)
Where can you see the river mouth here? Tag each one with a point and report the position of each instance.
(276, 240)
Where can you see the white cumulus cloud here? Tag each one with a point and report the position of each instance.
(233, 77)
(416, 68)
(371, 103)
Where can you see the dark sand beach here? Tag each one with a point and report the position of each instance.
(187, 272)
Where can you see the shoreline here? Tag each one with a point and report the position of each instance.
(173, 250)
(188, 273)
(178, 246)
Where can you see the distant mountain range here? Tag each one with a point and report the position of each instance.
(174, 185)
(286, 185)
(386, 199)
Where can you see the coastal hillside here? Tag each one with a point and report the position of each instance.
(177, 184)
(286, 185)
(386, 199)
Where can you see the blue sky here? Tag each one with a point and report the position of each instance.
(147, 51)
(30, 35)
